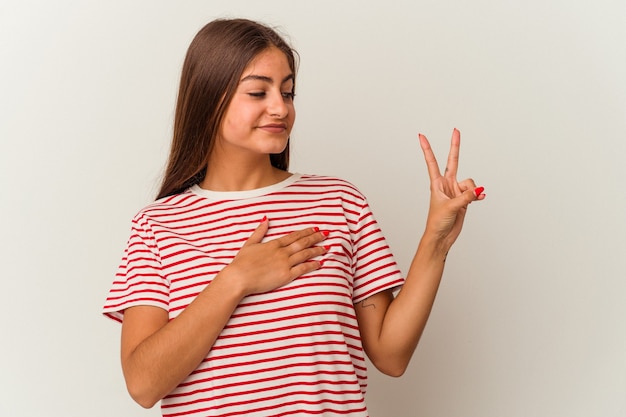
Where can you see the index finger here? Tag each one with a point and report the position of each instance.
(429, 156)
(297, 235)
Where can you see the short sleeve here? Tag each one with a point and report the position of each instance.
(374, 266)
(139, 279)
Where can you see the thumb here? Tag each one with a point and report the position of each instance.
(259, 232)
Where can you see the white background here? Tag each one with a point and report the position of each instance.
(530, 318)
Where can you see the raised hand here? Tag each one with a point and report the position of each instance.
(261, 267)
(449, 197)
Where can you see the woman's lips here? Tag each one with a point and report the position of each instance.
(274, 128)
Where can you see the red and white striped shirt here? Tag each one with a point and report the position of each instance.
(291, 352)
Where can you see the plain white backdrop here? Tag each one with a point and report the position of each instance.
(529, 320)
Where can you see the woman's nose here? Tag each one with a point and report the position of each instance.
(277, 106)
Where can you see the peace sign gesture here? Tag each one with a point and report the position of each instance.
(449, 198)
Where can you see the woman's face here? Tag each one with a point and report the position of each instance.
(261, 114)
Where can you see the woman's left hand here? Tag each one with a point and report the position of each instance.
(449, 198)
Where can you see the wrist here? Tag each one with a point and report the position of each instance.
(435, 245)
(228, 283)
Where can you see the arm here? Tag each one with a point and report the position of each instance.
(391, 328)
(157, 354)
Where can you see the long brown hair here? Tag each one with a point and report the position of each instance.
(215, 60)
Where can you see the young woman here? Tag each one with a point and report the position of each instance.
(246, 289)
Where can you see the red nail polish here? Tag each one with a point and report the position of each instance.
(326, 233)
(478, 191)
(327, 248)
(263, 219)
(317, 229)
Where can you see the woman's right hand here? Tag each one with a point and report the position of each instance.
(159, 353)
(262, 267)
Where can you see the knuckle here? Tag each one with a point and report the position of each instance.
(306, 242)
(298, 245)
(275, 243)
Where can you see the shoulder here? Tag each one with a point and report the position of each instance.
(168, 207)
(328, 183)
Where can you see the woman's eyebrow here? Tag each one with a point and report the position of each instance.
(265, 78)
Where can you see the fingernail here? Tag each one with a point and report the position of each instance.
(263, 219)
(327, 248)
(317, 229)
(321, 263)
(478, 191)
(326, 233)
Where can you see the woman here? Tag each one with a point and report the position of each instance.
(248, 290)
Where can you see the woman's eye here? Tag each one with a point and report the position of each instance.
(287, 95)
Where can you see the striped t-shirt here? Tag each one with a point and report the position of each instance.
(289, 352)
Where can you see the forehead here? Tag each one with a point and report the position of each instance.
(271, 62)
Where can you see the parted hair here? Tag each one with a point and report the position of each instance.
(215, 60)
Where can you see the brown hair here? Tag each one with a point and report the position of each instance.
(215, 60)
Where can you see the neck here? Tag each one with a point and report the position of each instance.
(233, 175)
